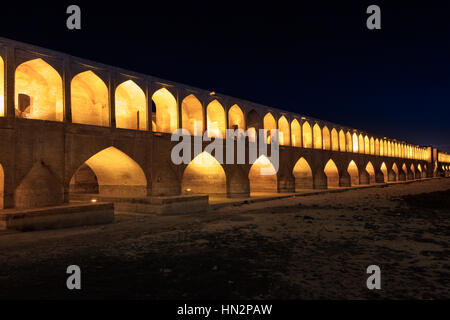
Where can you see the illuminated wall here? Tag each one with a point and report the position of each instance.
(371, 171)
(166, 118)
(269, 124)
(192, 115)
(303, 175)
(395, 169)
(350, 142)
(296, 133)
(38, 91)
(332, 173)
(284, 132)
(215, 120)
(377, 148)
(326, 138)
(307, 135)
(131, 107)
(361, 143)
(342, 143)
(90, 102)
(366, 145)
(372, 146)
(236, 118)
(204, 175)
(266, 182)
(354, 173)
(355, 143)
(384, 171)
(2, 88)
(335, 140)
(317, 135)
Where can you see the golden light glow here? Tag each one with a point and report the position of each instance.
(90, 102)
(342, 144)
(443, 157)
(355, 143)
(269, 124)
(371, 171)
(236, 118)
(384, 171)
(350, 142)
(307, 135)
(38, 91)
(204, 175)
(303, 175)
(296, 133)
(366, 145)
(405, 170)
(284, 132)
(419, 167)
(166, 117)
(395, 169)
(317, 135)
(354, 173)
(131, 110)
(192, 115)
(326, 138)
(253, 120)
(372, 146)
(263, 182)
(332, 173)
(2, 88)
(215, 120)
(377, 147)
(361, 143)
(335, 140)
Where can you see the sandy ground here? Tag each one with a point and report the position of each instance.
(309, 247)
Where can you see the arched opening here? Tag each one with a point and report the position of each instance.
(303, 175)
(263, 176)
(296, 133)
(38, 91)
(317, 135)
(131, 106)
(236, 118)
(307, 135)
(355, 143)
(354, 173)
(361, 143)
(326, 138)
(90, 103)
(395, 170)
(349, 142)
(215, 122)
(332, 173)
(377, 147)
(2, 88)
(192, 115)
(371, 171)
(166, 111)
(2, 186)
(405, 170)
(269, 124)
(283, 131)
(384, 170)
(110, 173)
(366, 145)
(342, 144)
(334, 140)
(204, 175)
(413, 170)
(253, 125)
(372, 146)
(389, 149)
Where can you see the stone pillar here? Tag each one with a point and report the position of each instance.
(238, 184)
(379, 176)
(364, 177)
(10, 68)
(344, 179)
(67, 80)
(392, 176)
(320, 179)
(286, 183)
(401, 175)
(112, 100)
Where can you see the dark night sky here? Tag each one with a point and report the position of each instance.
(316, 59)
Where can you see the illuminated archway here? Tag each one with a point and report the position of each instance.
(307, 135)
(332, 173)
(366, 145)
(405, 170)
(2, 88)
(395, 169)
(204, 175)
(361, 143)
(215, 120)
(269, 124)
(296, 133)
(38, 91)
(350, 142)
(90, 103)
(334, 140)
(2, 187)
(326, 138)
(377, 147)
(317, 135)
(166, 117)
(263, 176)
(116, 174)
(372, 146)
(131, 106)
(192, 115)
(236, 118)
(371, 171)
(389, 149)
(303, 175)
(284, 131)
(342, 144)
(354, 173)
(355, 143)
(384, 170)
(413, 170)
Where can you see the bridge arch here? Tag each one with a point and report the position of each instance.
(326, 138)
(166, 111)
(349, 142)
(353, 171)
(384, 170)
(284, 131)
(393, 175)
(296, 133)
(370, 169)
(2, 87)
(269, 124)
(204, 175)
(215, 122)
(361, 143)
(317, 136)
(90, 102)
(332, 174)
(366, 145)
(236, 119)
(342, 141)
(38, 91)
(355, 143)
(303, 175)
(307, 135)
(192, 115)
(334, 140)
(263, 176)
(131, 106)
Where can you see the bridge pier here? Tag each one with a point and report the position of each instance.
(320, 179)
(345, 179)
(392, 176)
(401, 176)
(379, 176)
(364, 177)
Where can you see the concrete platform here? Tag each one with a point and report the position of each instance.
(66, 216)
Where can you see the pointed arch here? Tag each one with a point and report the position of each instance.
(307, 135)
(204, 175)
(384, 170)
(236, 119)
(38, 91)
(361, 143)
(2, 87)
(166, 115)
(269, 124)
(90, 102)
(342, 142)
(395, 169)
(355, 143)
(317, 136)
(349, 142)
(131, 110)
(303, 175)
(353, 171)
(283, 131)
(372, 146)
(192, 115)
(326, 138)
(334, 140)
(377, 147)
(366, 145)
(296, 133)
(332, 173)
(263, 176)
(371, 171)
